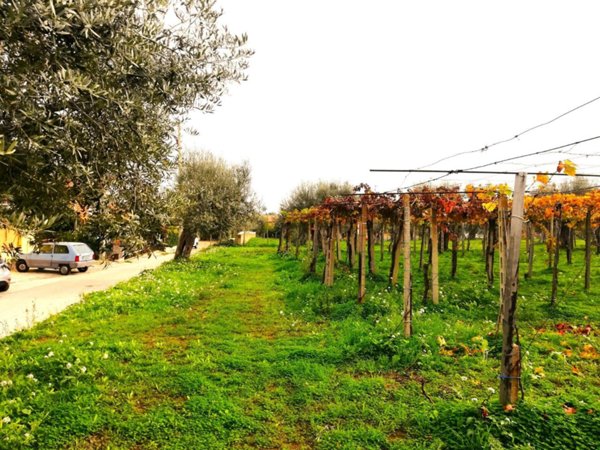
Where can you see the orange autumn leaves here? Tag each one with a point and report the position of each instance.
(475, 205)
(573, 207)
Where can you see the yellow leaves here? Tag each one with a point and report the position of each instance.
(489, 206)
(568, 166)
(569, 409)
(444, 351)
(509, 408)
(504, 189)
(539, 371)
(589, 352)
(542, 178)
(576, 371)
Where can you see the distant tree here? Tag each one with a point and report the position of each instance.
(309, 194)
(577, 185)
(212, 198)
(265, 225)
(90, 95)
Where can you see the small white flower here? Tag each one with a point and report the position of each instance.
(474, 399)
(27, 435)
(30, 376)
(4, 383)
(281, 313)
(83, 369)
(463, 378)
(105, 356)
(64, 336)
(491, 390)
(6, 419)
(69, 365)
(91, 342)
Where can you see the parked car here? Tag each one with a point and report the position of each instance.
(63, 256)
(4, 276)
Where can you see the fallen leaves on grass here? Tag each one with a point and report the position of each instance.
(589, 352)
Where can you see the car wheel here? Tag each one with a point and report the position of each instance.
(22, 266)
(4, 287)
(64, 270)
(82, 269)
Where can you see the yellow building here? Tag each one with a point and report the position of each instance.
(9, 236)
(244, 236)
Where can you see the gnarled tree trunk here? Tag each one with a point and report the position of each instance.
(185, 244)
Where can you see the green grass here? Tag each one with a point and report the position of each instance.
(237, 348)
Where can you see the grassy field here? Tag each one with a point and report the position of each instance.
(237, 348)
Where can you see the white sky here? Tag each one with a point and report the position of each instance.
(338, 87)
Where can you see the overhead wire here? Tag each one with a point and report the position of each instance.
(504, 141)
(516, 136)
(540, 152)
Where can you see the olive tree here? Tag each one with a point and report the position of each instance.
(91, 93)
(211, 199)
(308, 194)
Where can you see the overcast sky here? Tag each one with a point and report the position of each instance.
(338, 87)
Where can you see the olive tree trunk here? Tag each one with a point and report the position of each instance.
(185, 244)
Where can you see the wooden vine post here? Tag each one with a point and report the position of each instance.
(510, 364)
(503, 230)
(435, 282)
(362, 260)
(407, 285)
(350, 247)
(382, 240)
(394, 268)
(329, 251)
(338, 238)
(371, 246)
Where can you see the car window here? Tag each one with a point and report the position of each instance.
(81, 248)
(61, 250)
(46, 248)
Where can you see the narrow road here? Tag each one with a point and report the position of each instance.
(34, 296)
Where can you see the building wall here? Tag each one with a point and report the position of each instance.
(244, 236)
(8, 236)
